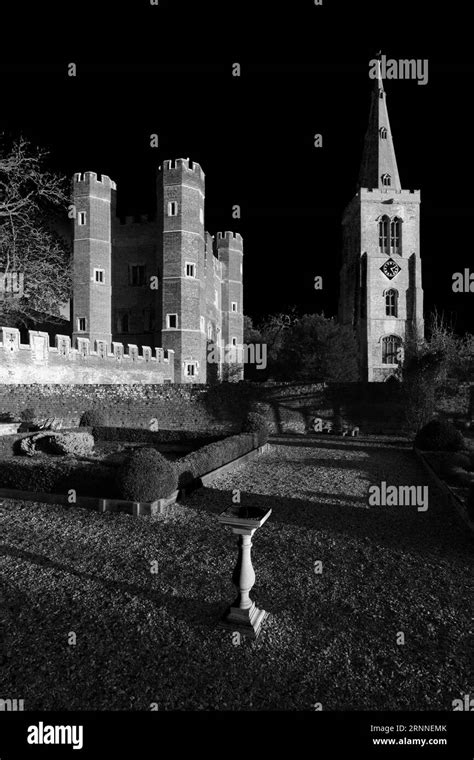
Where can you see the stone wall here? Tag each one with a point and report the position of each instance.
(38, 362)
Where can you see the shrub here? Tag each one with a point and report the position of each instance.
(256, 424)
(144, 435)
(57, 476)
(95, 418)
(439, 435)
(146, 475)
(212, 456)
(78, 444)
(28, 414)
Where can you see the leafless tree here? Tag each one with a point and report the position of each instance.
(35, 262)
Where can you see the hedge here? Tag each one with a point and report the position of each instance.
(58, 476)
(146, 475)
(439, 435)
(155, 437)
(214, 455)
(102, 480)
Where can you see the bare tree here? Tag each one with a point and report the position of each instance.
(35, 262)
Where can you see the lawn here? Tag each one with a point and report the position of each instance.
(144, 638)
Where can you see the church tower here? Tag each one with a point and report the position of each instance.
(381, 294)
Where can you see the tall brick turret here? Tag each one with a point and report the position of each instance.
(230, 254)
(182, 195)
(94, 200)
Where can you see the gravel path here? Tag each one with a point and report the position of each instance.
(144, 637)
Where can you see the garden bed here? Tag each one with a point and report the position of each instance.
(146, 638)
(91, 481)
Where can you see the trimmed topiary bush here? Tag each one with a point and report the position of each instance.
(95, 418)
(256, 424)
(77, 444)
(439, 435)
(28, 414)
(146, 476)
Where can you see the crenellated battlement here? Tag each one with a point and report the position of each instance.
(398, 195)
(78, 355)
(184, 164)
(229, 240)
(91, 178)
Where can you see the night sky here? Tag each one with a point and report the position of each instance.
(304, 71)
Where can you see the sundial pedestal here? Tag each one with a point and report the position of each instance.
(243, 616)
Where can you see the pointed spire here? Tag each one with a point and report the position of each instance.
(379, 164)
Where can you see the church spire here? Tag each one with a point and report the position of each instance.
(379, 164)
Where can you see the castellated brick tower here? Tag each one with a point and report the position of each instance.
(183, 285)
(380, 282)
(94, 200)
(230, 254)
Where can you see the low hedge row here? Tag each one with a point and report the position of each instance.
(59, 476)
(143, 435)
(212, 456)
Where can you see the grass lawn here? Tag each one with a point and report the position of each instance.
(144, 638)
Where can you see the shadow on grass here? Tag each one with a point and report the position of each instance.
(437, 533)
(195, 611)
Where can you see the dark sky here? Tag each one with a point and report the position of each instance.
(304, 71)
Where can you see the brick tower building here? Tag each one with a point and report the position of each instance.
(380, 280)
(159, 282)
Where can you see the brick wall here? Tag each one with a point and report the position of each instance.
(290, 407)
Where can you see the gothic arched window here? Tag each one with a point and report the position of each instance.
(384, 228)
(383, 133)
(386, 180)
(391, 303)
(390, 346)
(395, 235)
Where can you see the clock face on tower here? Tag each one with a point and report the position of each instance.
(390, 269)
